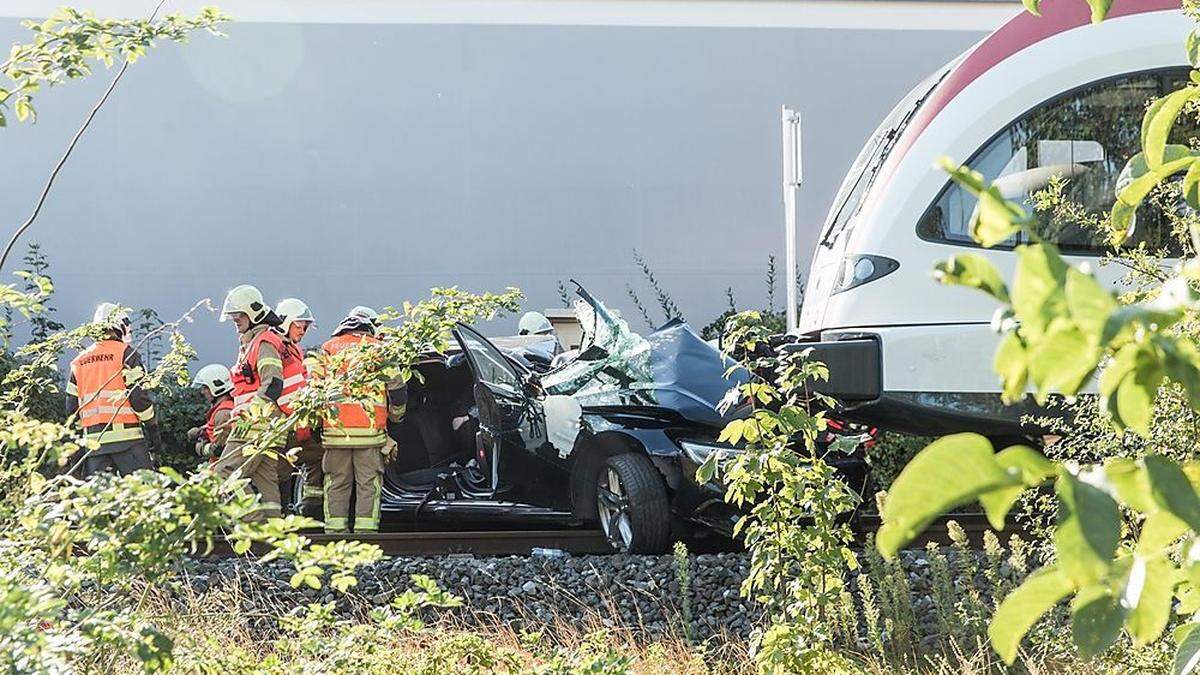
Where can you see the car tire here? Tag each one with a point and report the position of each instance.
(631, 504)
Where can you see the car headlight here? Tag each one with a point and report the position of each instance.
(700, 452)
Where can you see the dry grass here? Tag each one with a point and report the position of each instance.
(215, 634)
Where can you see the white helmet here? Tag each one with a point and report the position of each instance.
(534, 323)
(111, 315)
(359, 318)
(247, 300)
(216, 377)
(291, 310)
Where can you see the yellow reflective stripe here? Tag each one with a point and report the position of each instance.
(269, 361)
(116, 435)
(365, 440)
(145, 415)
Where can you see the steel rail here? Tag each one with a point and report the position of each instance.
(592, 542)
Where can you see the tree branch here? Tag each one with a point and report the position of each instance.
(87, 122)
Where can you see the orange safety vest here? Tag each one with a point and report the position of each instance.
(245, 374)
(295, 375)
(99, 373)
(357, 428)
(210, 430)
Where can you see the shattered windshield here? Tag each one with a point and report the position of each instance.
(870, 160)
(611, 357)
(671, 368)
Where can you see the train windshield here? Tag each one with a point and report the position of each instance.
(870, 160)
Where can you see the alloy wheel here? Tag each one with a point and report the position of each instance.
(613, 505)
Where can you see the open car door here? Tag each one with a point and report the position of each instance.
(512, 427)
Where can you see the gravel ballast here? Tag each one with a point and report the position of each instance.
(631, 591)
(636, 592)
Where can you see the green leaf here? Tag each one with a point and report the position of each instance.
(995, 218)
(1136, 181)
(1062, 360)
(1040, 592)
(708, 469)
(974, 271)
(1149, 590)
(1191, 184)
(1038, 293)
(1099, 9)
(1159, 530)
(1135, 397)
(1011, 362)
(23, 109)
(1096, 619)
(1187, 650)
(1193, 49)
(1181, 360)
(1090, 304)
(1030, 466)
(1088, 530)
(1131, 483)
(949, 472)
(1159, 121)
(1172, 490)
(1033, 6)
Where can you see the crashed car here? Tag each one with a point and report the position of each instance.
(502, 433)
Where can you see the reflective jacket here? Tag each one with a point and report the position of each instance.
(215, 431)
(98, 394)
(295, 375)
(259, 360)
(358, 426)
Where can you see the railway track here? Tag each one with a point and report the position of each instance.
(481, 542)
(587, 541)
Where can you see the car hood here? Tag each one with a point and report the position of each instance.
(672, 368)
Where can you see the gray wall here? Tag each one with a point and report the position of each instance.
(356, 164)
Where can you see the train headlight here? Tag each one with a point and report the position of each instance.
(860, 269)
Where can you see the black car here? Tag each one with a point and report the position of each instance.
(508, 433)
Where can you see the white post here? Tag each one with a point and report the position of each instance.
(793, 176)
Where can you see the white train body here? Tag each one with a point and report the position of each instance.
(1040, 96)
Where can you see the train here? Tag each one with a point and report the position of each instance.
(1042, 96)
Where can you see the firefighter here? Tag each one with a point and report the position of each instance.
(216, 382)
(356, 443)
(111, 409)
(295, 319)
(535, 323)
(257, 385)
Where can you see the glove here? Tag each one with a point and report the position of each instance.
(194, 433)
(389, 450)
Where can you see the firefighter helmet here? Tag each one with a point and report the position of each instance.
(216, 378)
(248, 300)
(291, 310)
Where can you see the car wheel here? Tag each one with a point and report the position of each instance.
(631, 502)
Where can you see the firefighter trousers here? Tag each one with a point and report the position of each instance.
(261, 470)
(311, 457)
(357, 470)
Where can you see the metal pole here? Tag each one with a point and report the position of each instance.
(793, 176)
